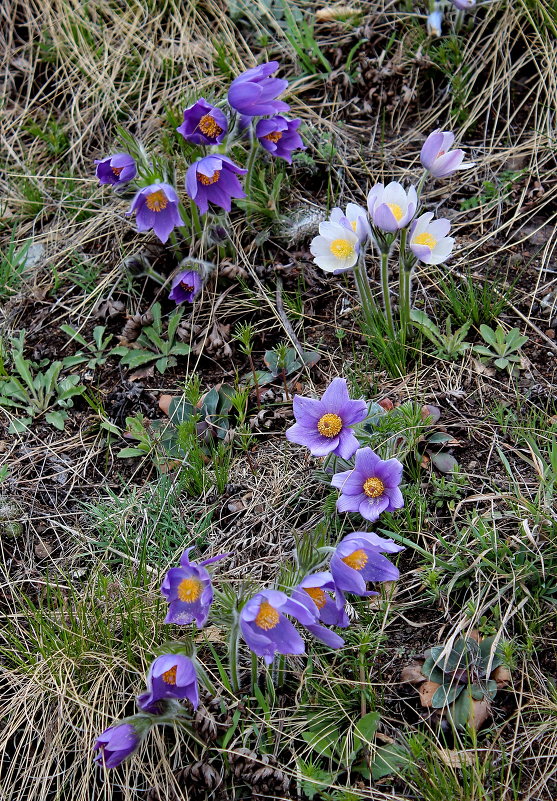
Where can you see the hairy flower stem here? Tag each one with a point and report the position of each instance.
(385, 292)
(254, 673)
(403, 288)
(233, 641)
(254, 146)
(366, 298)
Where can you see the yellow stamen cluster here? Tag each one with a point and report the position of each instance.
(398, 213)
(169, 676)
(373, 487)
(329, 425)
(317, 595)
(341, 248)
(267, 617)
(274, 136)
(189, 590)
(209, 127)
(356, 560)
(156, 201)
(206, 181)
(425, 239)
(354, 225)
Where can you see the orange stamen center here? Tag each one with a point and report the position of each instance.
(206, 181)
(169, 676)
(156, 201)
(329, 425)
(274, 136)
(189, 590)
(356, 560)
(317, 595)
(209, 127)
(373, 487)
(116, 170)
(267, 617)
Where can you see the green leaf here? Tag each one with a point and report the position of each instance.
(432, 672)
(19, 425)
(389, 759)
(73, 334)
(501, 363)
(444, 462)
(128, 453)
(135, 358)
(56, 419)
(180, 349)
(173, 324)
(366, 727)
(445, 695)
(180, 410)
(439, 437)
(462, 711)
(488, 334)
(322, 741)
(164, 363)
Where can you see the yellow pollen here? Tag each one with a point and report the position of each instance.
(317, 595)
(189, 590)
(329, 425)
(169, 676)
(274, 136)
(186, 287)
(341, 248)
(206, 181)
(354, 225)
(425, 239)
(373, 487)
(267, 617)
(156, 201)
(356, 560)
(398, 214)
(116, 170)
(209, 127)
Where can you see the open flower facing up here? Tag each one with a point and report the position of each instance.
(203, 124)
(254, 93)
(354, 219)
(391, 207)
(119, 742)
(358, 559)
(117, 169)
(371, 487)
(265, 628)
(189, 591)
(336, 248)
(156, 207)
(214, 179)
(279, 136)
(314, 591)
(170, 676)
(185, 286)
(324, 426)
(437, 157)
(428, 239)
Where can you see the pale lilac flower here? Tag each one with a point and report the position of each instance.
(279, 136)
(119, 742)
(371, 487)
(117, 169)
(265, 628)
(157, 208)
(355, 219)
(437, 157)
(171, 676)
(189, 591)
(214, 179)
(185, 286)
(428, 239)
(325, 426)
(357, 560)
(391, 207)
(435, 23)
(464, 5)
(203, 124)
(254, 93)
(336, 248)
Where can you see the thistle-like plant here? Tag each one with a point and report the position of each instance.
(503, 348)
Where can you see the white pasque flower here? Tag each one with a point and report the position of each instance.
(391, 207)
(354, 218)
(336, 248)
(428, 239)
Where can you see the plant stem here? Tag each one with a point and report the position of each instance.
(254, 672)
(254, 146)
(255, 381)
(385, 292)
(233, 655)
(421, 184)
(364, 291)
(403, 299)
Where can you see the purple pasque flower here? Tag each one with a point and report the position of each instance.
(324, 426)
(213, 179)
(437, 157)
(254, 93)
(314, 593)
(117, 169)
(189, 591)
(119, 742)
(279, 136)
(463, 5)
(391, 207)
(428, 239)
(357, 560)
(265, 628)
(355, 219)
(185, 286)
(170, 676)
(371, 487)
(156, 207)
(435, 23)
(203, 124)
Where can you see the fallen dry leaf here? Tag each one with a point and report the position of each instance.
(427, 691)
(412, 674)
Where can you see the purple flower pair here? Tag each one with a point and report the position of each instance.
(189, 591)
(358, 559)
(371, 487)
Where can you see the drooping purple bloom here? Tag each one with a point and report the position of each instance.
(371, 487)
(279, 136)
(265, 628)
(254, 93)
(391, 207)
(157, 208)
(324, 426)
(117, 169)
(189, 591)
(314, 591)
(203, 124)
(357, 560)
(437, 157)
(119, 742)
(213, 179)
(185, 286)
(170, 676)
